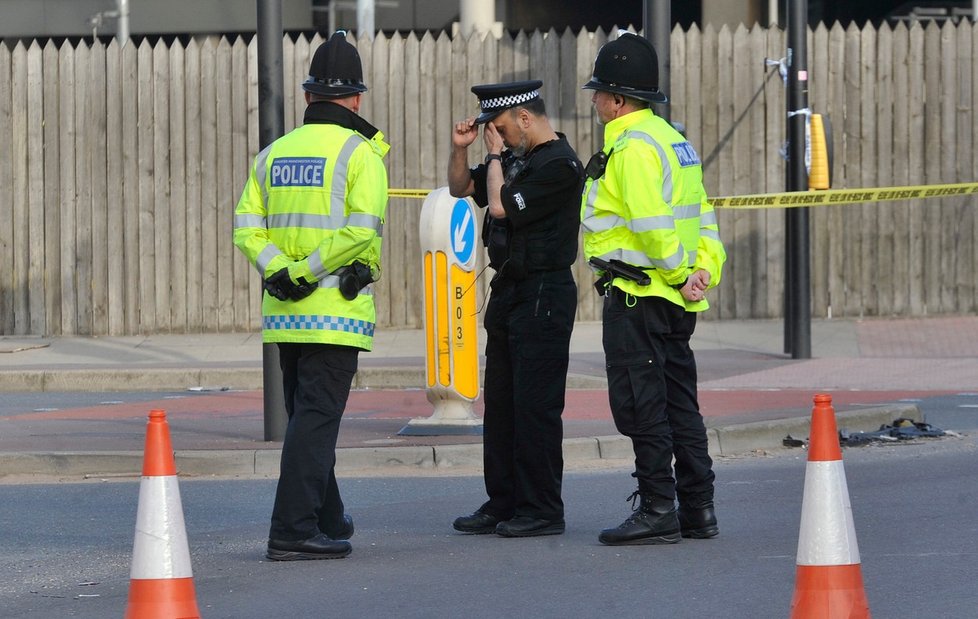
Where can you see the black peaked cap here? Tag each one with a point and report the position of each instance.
(494, 98)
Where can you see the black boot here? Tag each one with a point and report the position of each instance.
(698, 522)
(343, 531)
(654, 522)
(318, 547)
(479, 522)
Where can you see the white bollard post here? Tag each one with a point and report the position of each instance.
(448, 245)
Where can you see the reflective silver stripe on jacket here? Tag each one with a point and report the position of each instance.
(589, 222)
(686, 211)
(709, 218)
(671, 262)
(333, 221)
(265, 257)
(316, 265)
(341, 166)
(261, 172)
(338, 189)
(647, 224)
(249, 220)
(333, 281)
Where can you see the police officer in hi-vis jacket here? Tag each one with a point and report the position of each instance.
(652, 237)
(310, 219)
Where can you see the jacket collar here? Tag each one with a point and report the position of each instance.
(614, 129)
(329, 113)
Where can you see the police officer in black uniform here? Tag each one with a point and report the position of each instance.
(532, 190)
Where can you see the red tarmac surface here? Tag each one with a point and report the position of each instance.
(234, 420)
(743, 377)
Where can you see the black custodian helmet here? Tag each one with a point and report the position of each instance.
(335, 70)
(627, 66)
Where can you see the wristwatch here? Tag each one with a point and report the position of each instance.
(492, 156)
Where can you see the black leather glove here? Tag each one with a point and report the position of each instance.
(281, 286)
(275, 286)
(302, 290)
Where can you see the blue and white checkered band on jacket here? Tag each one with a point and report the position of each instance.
(508, 101)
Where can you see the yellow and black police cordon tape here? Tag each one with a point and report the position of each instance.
(824, 197)
(420, 194)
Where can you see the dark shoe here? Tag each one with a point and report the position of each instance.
(524, 526)
(345, 531)
(479, 522)
(698, 522)
(654, 522)
(318, 547)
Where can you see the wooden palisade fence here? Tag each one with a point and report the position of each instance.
(121, 167)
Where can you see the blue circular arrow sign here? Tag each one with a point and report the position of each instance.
(462, 231)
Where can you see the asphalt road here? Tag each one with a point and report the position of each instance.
(66, 547)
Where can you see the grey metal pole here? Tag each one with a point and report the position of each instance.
(798, 316)
(657, 28)
(365, 18)
(271, 125)
(122, 25)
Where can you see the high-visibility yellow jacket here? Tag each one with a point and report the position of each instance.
(315, 202)
(649, 209)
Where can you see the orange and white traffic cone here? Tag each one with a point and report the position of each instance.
(828, 579)
(161, 584)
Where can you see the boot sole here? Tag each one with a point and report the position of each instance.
(704, 533)
(290, 555)
(671, 538)
(552, 530)
(482, 531)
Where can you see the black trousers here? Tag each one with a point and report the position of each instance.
(316, 380)
(652, 391)
(528, 326)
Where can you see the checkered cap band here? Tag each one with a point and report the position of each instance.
(508, 101)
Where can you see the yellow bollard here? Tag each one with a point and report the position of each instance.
(819, 175)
